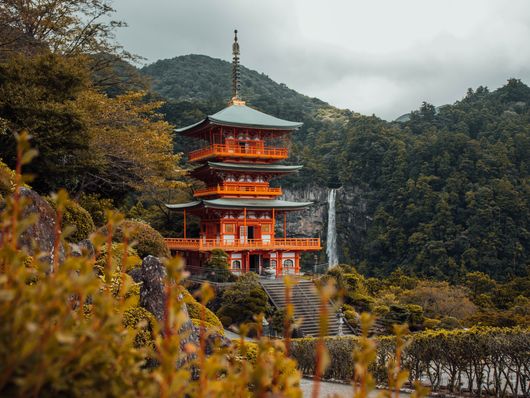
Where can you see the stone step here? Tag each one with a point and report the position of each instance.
(306, 303)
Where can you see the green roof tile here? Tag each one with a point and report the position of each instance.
(261, 204)
(244, 116)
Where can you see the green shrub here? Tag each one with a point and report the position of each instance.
(133, 260)
(50, 348)
(361, 302)
(381, 310)
(430, 323)
(96, 206)
(209, 327)
(449, 323)
(142, 321)
(226, 320)
(416, 317)
(250, 351)
(77, 217)
(243, 300)
(148, 240)
(432, 354)
(81, 219)
(195, 308)
(218, 267)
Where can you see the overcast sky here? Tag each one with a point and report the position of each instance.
(372, 56)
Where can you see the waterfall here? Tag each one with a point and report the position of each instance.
(331, 244)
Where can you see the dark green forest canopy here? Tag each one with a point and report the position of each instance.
(447, 191)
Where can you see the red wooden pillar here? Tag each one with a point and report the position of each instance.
(247, 261)
(273, 226)
(245, 224)
(297, 263)
(280, 263)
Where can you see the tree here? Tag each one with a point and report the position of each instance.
(439, 299)
(479, 283)
(242, 301)
(38, 94)
(218, 267)
(87, 141)
(131, 146)
(67, 27)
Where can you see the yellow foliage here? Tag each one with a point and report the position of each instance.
(129, 138)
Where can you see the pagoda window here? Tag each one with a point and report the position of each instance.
(288, 263)
(236, 264)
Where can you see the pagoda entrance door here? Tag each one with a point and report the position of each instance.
(254, 262)
(250, 230)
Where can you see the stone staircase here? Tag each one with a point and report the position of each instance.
(306, 303)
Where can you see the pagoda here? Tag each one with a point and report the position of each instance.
(238, 209)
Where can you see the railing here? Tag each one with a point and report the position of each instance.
(223, 150)
(238, 190)
(196, 244)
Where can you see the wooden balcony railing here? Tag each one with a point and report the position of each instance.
(196, 244)
(236, 151)
(238, 190)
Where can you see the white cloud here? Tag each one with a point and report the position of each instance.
(377, 56)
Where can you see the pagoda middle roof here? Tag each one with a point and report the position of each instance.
(265, 167)
(239, 115)
(230, 203)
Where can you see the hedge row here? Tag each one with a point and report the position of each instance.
(479, 361)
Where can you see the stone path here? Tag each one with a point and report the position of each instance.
(234, 336)
(328, 389)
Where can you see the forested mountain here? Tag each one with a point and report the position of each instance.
(447, 190)
(196, 85)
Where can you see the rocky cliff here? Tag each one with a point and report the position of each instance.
(351, 217)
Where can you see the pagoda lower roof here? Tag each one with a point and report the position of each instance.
(260, 167)
(230, 203)
(239, 115)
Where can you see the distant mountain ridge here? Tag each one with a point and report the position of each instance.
(199, 77)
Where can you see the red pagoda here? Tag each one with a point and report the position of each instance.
(238, 209)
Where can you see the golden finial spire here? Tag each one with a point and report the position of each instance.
(235, 73)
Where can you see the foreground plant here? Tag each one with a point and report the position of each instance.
(63, 333)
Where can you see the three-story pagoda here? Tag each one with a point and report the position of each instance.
(238, 209)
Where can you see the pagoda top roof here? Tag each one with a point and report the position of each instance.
(240, 115)
(230, 203)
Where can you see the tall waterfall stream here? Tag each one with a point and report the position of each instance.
(331, 244)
